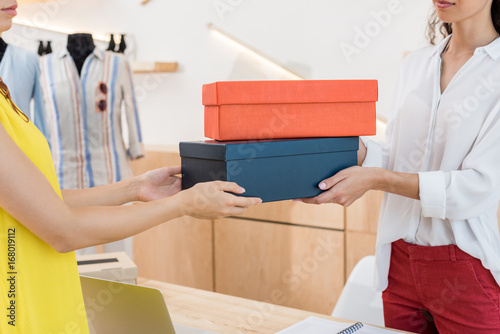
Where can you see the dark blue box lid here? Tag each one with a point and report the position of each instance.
(251, 149)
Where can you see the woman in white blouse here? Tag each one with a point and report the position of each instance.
(438, 243)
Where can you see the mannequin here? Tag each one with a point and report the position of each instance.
(44, 50)
(41, 48)
(112, 44)
(123, 45)
(48, 48)
(3, 47)
(80, 46)
(100, 157)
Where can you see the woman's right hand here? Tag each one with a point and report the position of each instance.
(212, 200)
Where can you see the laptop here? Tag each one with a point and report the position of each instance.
(114, 307)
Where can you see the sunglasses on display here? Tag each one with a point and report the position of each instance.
(102, 104)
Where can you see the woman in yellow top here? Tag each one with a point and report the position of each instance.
(40, 226)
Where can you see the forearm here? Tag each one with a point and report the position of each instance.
(83, 227)
(89, 226)
(403, 184)
(109, 195)
(67, 226)
(350, 184)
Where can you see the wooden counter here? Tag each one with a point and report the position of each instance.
(226, 314)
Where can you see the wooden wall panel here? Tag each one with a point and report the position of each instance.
(179, 252)
(156, 157)
(294, 266)
(358, 245)
(362, 215)
(325, 215)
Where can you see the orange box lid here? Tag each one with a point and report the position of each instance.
(289, 91)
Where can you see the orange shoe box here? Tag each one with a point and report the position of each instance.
(245, 110)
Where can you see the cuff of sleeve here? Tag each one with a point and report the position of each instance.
(135, 151)
(373, 156)
(432, 190)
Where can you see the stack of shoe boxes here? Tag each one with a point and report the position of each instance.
(279, 139)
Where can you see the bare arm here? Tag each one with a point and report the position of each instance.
(348, 185)
(27, 195)
(112, 194)
(152, 185)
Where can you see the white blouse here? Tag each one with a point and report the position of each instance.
(452, 140)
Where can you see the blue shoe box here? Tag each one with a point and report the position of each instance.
(273, 170)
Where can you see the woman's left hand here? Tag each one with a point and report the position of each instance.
(159, 183)
(346, 186)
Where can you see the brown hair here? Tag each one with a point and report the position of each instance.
(4, 90)
(435, 25)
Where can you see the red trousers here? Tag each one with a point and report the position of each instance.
(440, 290)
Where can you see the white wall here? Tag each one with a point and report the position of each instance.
(305, 36)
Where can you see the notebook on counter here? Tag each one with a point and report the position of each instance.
(313, 325)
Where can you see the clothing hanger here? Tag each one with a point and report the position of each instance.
(44, 49)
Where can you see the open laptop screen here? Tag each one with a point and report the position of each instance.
(114, 307)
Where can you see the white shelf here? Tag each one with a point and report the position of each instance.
(153, 67)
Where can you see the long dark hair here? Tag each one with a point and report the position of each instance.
(435, 25)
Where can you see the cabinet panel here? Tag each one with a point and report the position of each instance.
(156, 157)
(179, 252)
(358, 245)
(362, 215)
(325, 215)
(300, 267)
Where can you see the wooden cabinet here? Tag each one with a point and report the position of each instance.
(362, 215)
(295, 266)
(287, 253)
(178, 251)
(361, 219)
(328, 215)
(156, 157)
(357, 245)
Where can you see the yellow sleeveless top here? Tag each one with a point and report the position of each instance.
(40, 288)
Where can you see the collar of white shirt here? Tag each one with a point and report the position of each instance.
(99, 54)
(492, 49)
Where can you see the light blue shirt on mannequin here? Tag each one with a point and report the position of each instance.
(20, 70)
